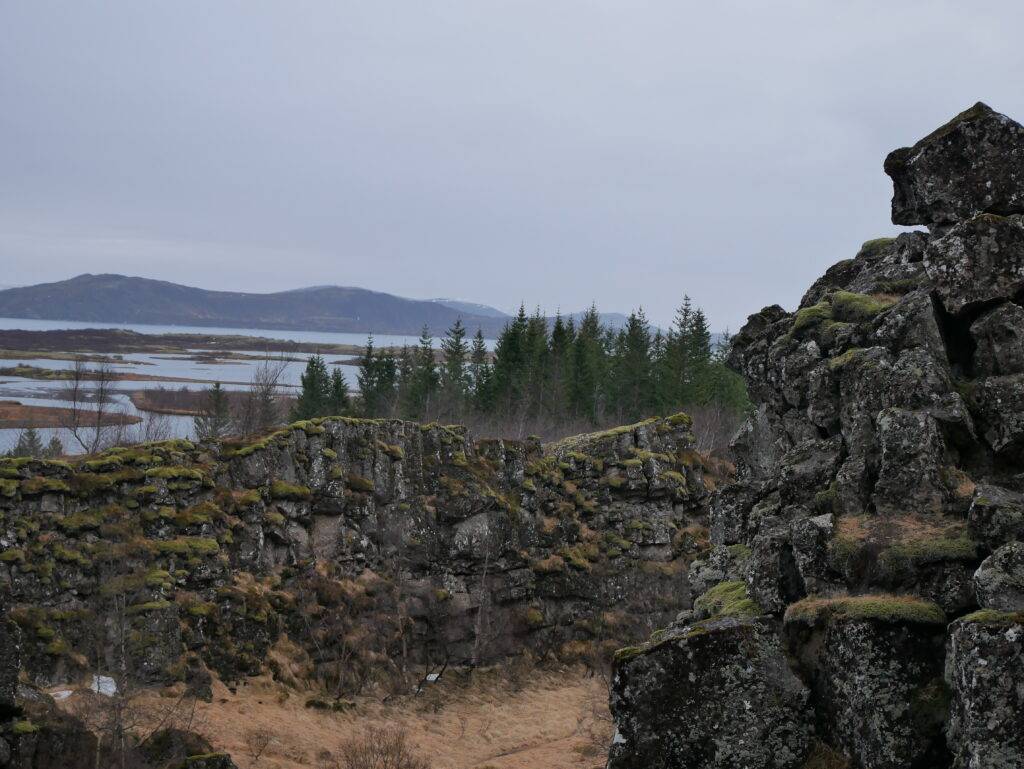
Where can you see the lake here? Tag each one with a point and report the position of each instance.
(234, 375)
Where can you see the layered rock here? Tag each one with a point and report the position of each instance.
(883, 465)
(373, 545)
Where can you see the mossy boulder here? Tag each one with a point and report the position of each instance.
(715, 695)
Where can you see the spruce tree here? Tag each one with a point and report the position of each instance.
(481, 373)
(338, 402)
(424, 379)
(28, 444)
(454, 375)
(54, 448)
(315, 393)
(214, 418)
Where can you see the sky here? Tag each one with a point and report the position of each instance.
(555, 153)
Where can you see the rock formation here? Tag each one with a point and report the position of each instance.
(343, 552)
(869, 609)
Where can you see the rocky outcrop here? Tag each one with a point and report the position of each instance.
(974, 164)
(715, 693)
(373, 546)
(880, 491)
(985, 661)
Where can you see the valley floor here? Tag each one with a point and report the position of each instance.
(550, 720)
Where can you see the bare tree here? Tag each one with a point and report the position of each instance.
(261, 408)
(91, 418)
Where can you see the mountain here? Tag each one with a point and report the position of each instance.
(124, 299)
(473, 308)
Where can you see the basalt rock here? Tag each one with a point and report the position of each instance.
(881, 468)
(973, 164)
(999, 581)
(985, 668)
(174, 560)
(713, 694)
(876, 668)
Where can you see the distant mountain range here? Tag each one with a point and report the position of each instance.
(125, 299)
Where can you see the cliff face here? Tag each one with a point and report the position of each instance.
(869, 600)
(344, 552)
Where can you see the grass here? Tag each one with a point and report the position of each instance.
(284, 490)
(728, 599)
(881, 607)
(994, 617)
(902, 543)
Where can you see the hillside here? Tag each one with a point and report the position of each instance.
(125, 299)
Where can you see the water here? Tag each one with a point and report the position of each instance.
(325, 337)
(234, 375)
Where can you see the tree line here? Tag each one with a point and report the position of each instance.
(542, 377)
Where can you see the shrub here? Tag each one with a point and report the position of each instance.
(378, 749)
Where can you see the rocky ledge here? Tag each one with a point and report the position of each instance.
(863, 602)
(337, 554)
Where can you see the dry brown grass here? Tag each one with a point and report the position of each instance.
(531, 720)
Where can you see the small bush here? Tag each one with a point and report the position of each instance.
(377, 749)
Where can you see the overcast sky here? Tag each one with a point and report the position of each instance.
(549, 152)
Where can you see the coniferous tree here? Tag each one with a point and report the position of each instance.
(587, 366)
(54, 448)
(315, 393)
(214, 418)
(423, 378)
(339, 400)
(455, 376)
(28, 444)
(481, 372)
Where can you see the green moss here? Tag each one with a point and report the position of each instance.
(739, 552)
(44, 485)
(580, 556)
(729, 599)
(190, 546)
(994, 617)
(68, 555)
(846, 358)
(174, 473)
(630, 463)
(810, 318)
(857, 308)
(395, 452)
(359, 483)
(8, 488)
(674, 477)
(883, 608)
(284, 490)
(24, 727)
(274, 518)
(534, 617)
(330, 454)
(148, 606)
(906, 556)
(12, 555)
(248, 498)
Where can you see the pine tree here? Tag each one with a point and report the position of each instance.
(510, 365)
(481, 373)
(54, 448)
(423, 378)
(587, 366)
(455, 376)
(338, 401)
(214, 418)
(314, 397)
(378, 381)
(28, 444)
